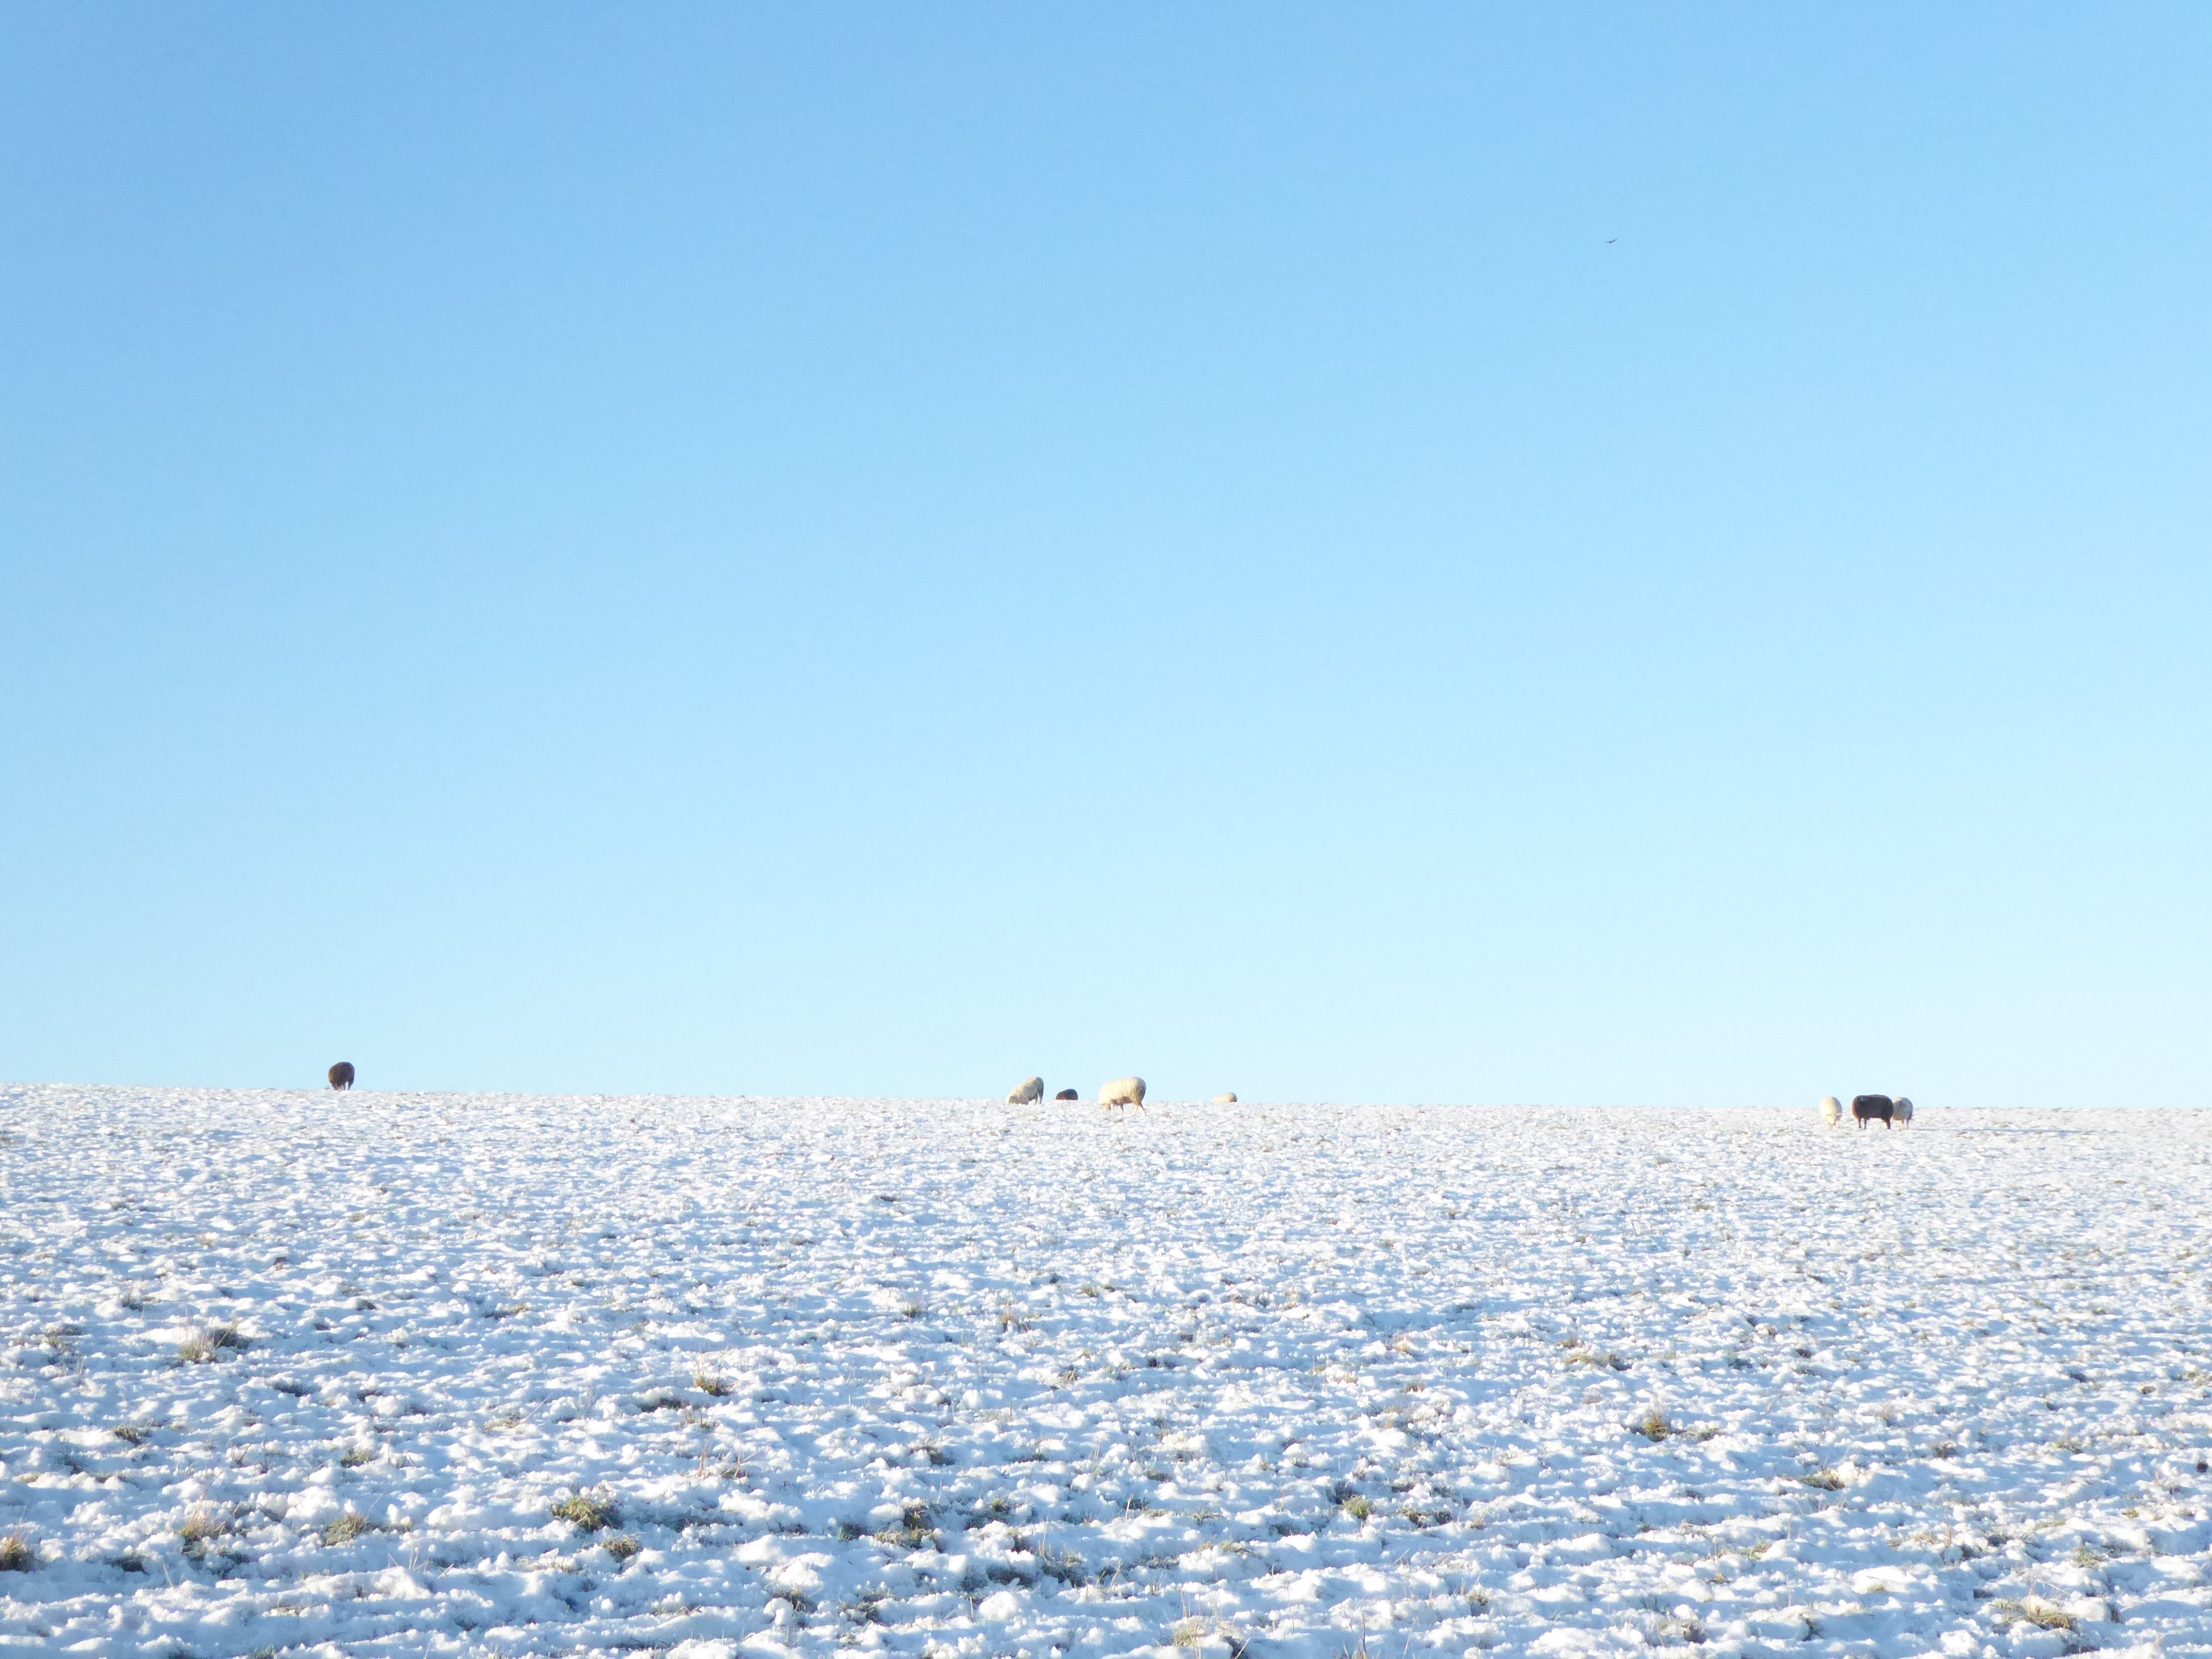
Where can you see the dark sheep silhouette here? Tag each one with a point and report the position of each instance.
(342, 1075)
(1067, 1094)
(1864, 1107)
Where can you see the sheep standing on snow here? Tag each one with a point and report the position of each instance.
(342, 1075)
(1029, 1089)
(1067, 1094)
(1867, 1108)
(1903, 1112)
(1227, 1098)
(1123, 1091)
(1832, 1110)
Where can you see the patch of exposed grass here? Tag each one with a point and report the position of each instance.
(209, 1342)
(2034, 1610)
(17, 1553)
(1357, 1507)
(1653, 1426)
(1604, 1359)
(1825, 1480)
(347, 1527)
(1065, 1565)
(130, 1434)
(868, 1608)
(587, 1511)
(621, 1547)
(710, 1383)
(203, 1524)
(912, 1530)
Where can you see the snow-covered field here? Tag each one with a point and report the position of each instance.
(290, 1373)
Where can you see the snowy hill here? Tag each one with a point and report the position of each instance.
(443, 1373)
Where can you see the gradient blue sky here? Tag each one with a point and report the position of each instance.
(1572, 554)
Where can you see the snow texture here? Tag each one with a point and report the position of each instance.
(375, 1374)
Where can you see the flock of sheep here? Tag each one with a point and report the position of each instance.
(1122, 1091)
(1128, 1091)
(1865, 1109)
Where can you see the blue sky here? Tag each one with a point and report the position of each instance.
(1583, 553)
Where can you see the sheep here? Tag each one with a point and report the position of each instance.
(1028, 1090)
(1067, 1094)
(1226, 1098)
(342, 1075)
(1903, 1112)
(1832, 1110)
(1123, 1091)
(1865, 1107)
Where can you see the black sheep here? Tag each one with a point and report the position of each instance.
(342, 1075)
(1871, 1106)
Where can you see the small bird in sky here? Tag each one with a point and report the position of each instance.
(1610, 240)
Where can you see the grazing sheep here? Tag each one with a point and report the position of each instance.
(1123, 1091)
(1832, 1110)
(1028, 1089)
(342, 1075)
(1903, 1112)
(1067, 1094)
(1866, 1106)
(1229, 1099)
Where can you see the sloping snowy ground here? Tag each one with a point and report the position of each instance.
(299, 1373)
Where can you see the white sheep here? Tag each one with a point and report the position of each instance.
(1832, 1110)
(1225, 1099)
(1029, 1090)
(1123, 1091)
(1903, 1110)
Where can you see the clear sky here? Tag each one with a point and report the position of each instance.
(1575, 554)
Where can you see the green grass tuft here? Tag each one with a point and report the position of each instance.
(347, 1527)
(587, 1511)
(202, 1524)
